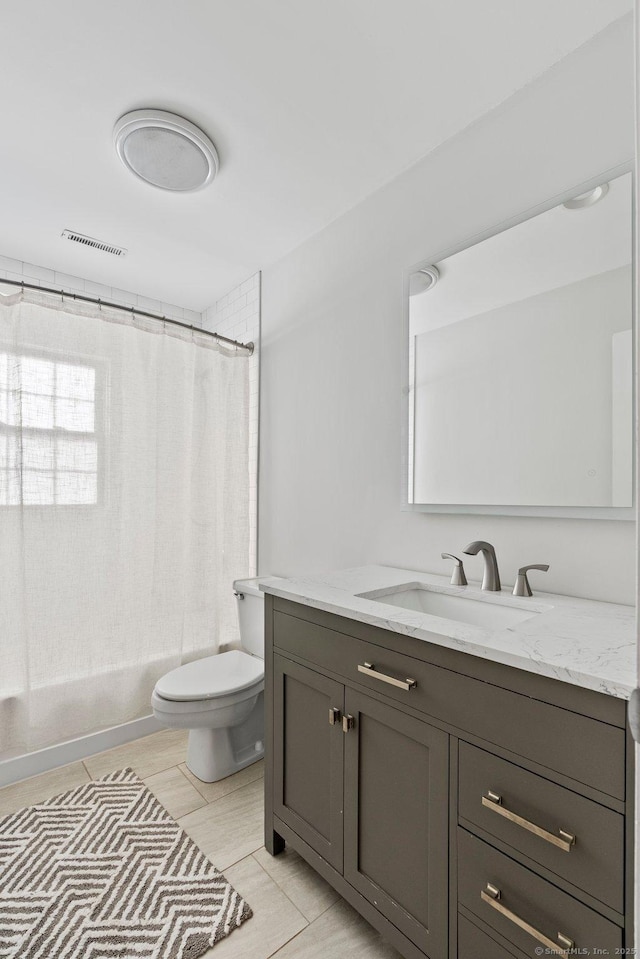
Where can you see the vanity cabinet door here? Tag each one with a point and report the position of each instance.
(396, 818)
(308, 756)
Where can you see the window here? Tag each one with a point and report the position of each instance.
(48, 440)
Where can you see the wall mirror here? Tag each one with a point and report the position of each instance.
(520, 380)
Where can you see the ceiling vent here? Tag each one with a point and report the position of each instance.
(92, 242)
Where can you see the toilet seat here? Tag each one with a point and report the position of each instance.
(212, 677)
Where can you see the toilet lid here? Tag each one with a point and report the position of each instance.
(214, 676)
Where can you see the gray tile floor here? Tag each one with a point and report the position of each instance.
(296, 914)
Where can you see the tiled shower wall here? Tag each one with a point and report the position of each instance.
(237, 315)
(11, 269)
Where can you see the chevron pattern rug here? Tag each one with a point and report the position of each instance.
(104, 871)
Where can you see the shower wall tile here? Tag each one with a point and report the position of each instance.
(98, 289)
(12, 269)
(177, 314)
(8, 263)
(68, 283)
(124, 297)
(150, 305)
(41, 273)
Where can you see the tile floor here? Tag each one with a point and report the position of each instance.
(296, 914)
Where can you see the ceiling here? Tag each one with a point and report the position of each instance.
(312, 106)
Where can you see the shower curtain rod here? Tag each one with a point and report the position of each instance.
(127, 309)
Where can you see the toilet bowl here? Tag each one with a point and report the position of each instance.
(219, 699)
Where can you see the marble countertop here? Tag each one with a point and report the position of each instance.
(579, 641)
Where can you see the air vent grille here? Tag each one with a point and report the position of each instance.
(92, 242)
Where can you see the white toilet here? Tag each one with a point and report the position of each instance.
(219, 699)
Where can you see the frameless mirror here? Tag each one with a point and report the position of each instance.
(520, 383)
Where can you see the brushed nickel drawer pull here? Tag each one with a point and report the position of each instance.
(564, 841)
(370, 670)
(334, 716)
(492, 897)
(348, 722)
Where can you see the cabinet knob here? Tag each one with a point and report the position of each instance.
(334, 716)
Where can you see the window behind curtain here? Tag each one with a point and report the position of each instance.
(48, 443)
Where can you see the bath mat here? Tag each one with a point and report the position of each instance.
(104, 871)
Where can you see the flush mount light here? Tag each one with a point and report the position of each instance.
(423, 280)
(165, 150)
(587, 199)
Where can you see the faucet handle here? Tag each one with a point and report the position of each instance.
(457, 576)
(522, 587)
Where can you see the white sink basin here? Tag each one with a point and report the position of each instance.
(463, 609)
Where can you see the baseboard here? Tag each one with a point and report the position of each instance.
(31, 764)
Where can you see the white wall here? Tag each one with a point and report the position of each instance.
(332, 351)
(237, 315)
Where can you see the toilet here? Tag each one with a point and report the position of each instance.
(220, 699)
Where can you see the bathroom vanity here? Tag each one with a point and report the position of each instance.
(463, 778)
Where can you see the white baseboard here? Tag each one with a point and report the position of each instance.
(31, 764)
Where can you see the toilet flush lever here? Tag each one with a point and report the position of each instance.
(522, 587)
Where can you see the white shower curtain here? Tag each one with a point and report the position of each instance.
(124, 492)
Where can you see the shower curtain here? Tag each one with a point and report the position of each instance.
(124, 492)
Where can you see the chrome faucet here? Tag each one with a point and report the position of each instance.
(491, 578)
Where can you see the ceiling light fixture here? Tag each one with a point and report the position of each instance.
(165, 150)
(423, 280)
(587, 199)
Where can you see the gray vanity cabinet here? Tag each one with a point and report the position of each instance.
(395, 818)
(383, 826)
(467, 809)
(308, 757)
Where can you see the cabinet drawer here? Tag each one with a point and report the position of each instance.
(545, 734)
(593, 863)
(526, 900)
(473, 943)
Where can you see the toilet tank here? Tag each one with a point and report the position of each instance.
(250, 605)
